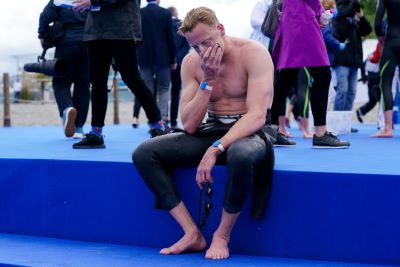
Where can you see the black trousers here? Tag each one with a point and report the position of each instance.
(318, 95)
(101, 53)
(176, 86)
(76, 59)
(387, 65)
(156, 158)
(374, 92)
(300, 97)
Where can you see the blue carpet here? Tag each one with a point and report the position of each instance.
(365, 156)
(35, 251)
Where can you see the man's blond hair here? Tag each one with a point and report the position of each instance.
(198, 15)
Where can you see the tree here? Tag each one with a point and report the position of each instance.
(369, 8)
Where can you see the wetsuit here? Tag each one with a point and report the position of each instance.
(156, 158)
(301, 98)
(391, 50)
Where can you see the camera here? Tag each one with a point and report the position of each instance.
(53, 67)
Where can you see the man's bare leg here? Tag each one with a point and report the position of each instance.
(282, 126)
(192, 239)
(388, 130)
(219, 246)
(320, 130)
(305, 128)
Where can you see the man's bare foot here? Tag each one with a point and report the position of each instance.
(384, 134)
(188, 243)
(219, 249)
(307, 135)
(286, 133)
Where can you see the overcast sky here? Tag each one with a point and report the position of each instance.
(19, 21)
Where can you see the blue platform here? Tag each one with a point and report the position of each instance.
(325, 205)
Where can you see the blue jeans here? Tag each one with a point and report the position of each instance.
(346, 87)
(161, 76)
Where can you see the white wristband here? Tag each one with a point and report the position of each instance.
(205, 86)
(219, 145)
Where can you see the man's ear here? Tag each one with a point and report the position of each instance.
(221, 29)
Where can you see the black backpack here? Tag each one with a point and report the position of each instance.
(54, 33)
(271, 19)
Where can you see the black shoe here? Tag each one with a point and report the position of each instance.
(90, 141)
(359, 116)
(283, 141)
(135, 123)
(328, 140)
(353, 130)
(157, 132)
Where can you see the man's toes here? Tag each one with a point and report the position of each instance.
(166, 251)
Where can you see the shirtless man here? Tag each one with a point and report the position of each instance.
(231, 79)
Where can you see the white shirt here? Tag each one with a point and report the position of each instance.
(257, 18)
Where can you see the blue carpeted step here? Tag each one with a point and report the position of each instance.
(337, 205)
(24, 251)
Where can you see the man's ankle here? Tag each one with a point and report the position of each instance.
(97, 131)
(157, 125)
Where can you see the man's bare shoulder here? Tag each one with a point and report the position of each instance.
(248, 47)
(191, 61)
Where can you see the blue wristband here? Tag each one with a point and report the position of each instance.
(219, 145)
(205, 86)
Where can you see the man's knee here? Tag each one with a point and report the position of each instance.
(245, 152)
(142, 154)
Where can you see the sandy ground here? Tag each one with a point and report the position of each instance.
(47, 114)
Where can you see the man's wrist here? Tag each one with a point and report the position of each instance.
(218, 144)
(205, 86)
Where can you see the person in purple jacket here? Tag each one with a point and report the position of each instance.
(299, 43)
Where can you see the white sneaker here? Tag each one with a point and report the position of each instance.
(78, 136)
(69, 116)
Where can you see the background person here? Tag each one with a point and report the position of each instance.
(157, 54)
(389, 59)
(298, 44)
(257, 17)
(182, 48)
(349, 26)
(113, 31)
(73, 108)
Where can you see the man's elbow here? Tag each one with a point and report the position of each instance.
(190, 128)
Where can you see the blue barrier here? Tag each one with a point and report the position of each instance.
(311, 215)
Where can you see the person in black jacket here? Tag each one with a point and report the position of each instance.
(113, 31)
(348, 27)
(182, 48)
(156, 54)
(71, 49)
(390, 57)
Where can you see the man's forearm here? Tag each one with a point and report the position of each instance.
(247, 125)
(192, 114)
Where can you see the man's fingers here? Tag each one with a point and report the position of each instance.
(206, 55)
(209, 178)
(218, 56)
(214, 50)
(198, 180)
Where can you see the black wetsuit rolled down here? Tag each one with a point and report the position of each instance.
(391, 50)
